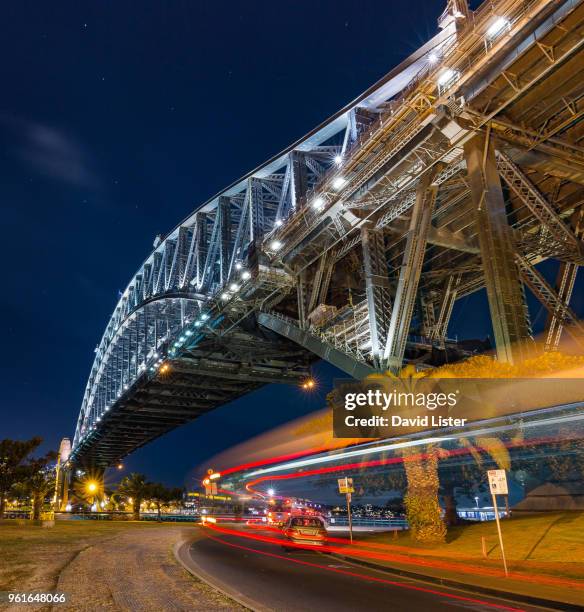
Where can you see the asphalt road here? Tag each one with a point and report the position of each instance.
(265, 577)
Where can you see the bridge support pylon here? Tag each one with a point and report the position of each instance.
(503, 283)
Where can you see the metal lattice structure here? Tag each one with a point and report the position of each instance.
(462, 169)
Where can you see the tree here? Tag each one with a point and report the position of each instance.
(13, 466)
(161, 495)
(135, 487)
(39, 482)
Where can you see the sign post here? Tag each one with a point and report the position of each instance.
(346, 487)
(210, 484)
(498, 486)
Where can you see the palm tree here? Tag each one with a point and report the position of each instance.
(422, 466)
(135, 487)
(39, 483)
(13, 468)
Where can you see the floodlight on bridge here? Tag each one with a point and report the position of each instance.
(447, 77)
(276, 245)
(318, 202)
(245, 275)
(339, 182)
(497, 27)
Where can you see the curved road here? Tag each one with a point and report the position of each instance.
(262, 576)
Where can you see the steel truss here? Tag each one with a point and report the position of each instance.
(409, 174)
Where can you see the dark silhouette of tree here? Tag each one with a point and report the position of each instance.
(161, 495)
(40, 482)
(13, 464)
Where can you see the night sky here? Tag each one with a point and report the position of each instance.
(117, 119)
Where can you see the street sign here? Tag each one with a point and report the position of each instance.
(498, 486)
(498, 482)
(346, 485)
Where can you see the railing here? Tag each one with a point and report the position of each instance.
(374, 523)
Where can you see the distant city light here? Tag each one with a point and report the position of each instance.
(214, 476)
(497, 27)
(271, 492)
(339, 182)
(276, 245)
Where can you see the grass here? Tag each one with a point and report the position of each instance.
(545, 554)
(550, 538)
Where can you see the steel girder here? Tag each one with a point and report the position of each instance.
(377, 288)
(410, 271)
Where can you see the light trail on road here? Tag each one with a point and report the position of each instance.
(358, 549)
(369, 578)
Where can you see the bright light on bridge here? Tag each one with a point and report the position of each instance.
(497, 27)
(318, 202)
(339, 182)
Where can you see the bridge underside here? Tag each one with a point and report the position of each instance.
(216, 372)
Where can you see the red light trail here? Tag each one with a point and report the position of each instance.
(402, 585)
(357, 550)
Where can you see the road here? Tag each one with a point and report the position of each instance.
(263, 576)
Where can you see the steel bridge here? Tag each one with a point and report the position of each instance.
(461, 169)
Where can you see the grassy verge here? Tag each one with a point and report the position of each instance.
(552, 541)
(545, 555)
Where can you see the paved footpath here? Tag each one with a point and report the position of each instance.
(136, 570)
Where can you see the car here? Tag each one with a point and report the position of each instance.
(309, 530)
